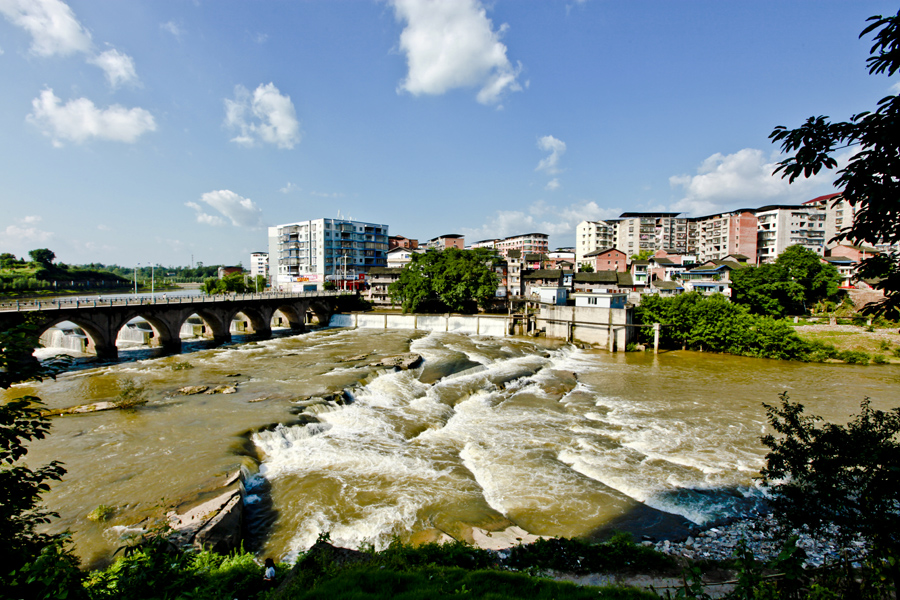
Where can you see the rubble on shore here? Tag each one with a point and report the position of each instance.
(760, 533)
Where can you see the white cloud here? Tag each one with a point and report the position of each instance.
(895, 89)
(266, 116)
(80, 120)
(725, 182)
(119, 67)
(51, 23)
(242, 212)
(13, 234)
(290, 187)
(552, 185)
(261, 38)
(173, 28)
(556, 148)
(326, 194)
(540, 217)
(31, 219)
(451, 45)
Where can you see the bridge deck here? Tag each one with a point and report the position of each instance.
(34, 304)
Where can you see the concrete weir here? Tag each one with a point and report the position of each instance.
(609, 328)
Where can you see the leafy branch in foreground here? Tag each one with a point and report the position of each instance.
(870, 182)
(823, 474)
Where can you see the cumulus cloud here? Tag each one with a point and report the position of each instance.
(451, 45)
(119, 67)
(557, 221)
(728, 181)
(242, 212)
(265, 116)
(290, 187)
(51, 23)
(80, 120)
(556, 148)
(14, 235)
(552, 185)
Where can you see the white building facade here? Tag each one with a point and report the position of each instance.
(779, 227)
(259, 264)
(306, 254)
(593, 235)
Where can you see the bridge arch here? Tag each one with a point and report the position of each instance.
(294, 313)
(259, 319)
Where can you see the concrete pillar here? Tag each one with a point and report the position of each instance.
(656, 338)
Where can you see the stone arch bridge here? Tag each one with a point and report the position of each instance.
(102, 319)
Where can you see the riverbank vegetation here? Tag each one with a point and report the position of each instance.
(792, 285)
(20, 277)
(693, 321)
(451, 280)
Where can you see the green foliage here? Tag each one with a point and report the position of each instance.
(182, 365)
(712, 323)
(372, 583)
(42, 256)
(790, 286)
(854, 357)
(131, 394)
(233, 283)
(101, 514)
(642, 255)
(822, 474)
(620, 553)
(21, 487)
(586, 269)
(869, 180)
(176, 573)
(450, 280)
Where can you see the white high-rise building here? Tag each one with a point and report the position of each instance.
(593, 235)
(259, 264)
(782, 226)
(306, 254)
(637, 232)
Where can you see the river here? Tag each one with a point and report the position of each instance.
(487, 432)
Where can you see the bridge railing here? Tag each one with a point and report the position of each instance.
(33, 304)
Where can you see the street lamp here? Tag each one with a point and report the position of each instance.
(135, 277)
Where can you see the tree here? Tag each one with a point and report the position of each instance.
(25, 552)
(642, 255)
(823, 474)
(586, 269)
(789, 286)
(42, 256)
(871, 180)
(452, 279)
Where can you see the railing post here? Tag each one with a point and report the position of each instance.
(656, 338)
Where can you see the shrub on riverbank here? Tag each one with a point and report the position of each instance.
(713, 324)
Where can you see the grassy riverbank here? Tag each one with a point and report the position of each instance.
(880, 345)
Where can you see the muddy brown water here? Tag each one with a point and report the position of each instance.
(488, 431)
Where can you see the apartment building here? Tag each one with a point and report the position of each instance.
(780, 226)
(492, 243)
(398, 241)
(526, 243)
(306, 254)
(259, 264)
(450, 240)
(637, 232)
(722, 234)
(593, 235)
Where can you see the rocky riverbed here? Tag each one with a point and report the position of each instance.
(717, 543)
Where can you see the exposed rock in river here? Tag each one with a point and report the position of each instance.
(222, 389)
(212, 525)
(193, 389)
(401, 361)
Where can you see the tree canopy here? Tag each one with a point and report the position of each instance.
(824, 474)
(43, 256)
(870, 182)
(789, 286)
(449, 280)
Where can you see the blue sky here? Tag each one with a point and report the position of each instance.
(155, 131)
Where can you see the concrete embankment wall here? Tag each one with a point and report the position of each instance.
(493, 325)
(610, 328)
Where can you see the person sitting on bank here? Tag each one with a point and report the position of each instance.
(269, 572)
